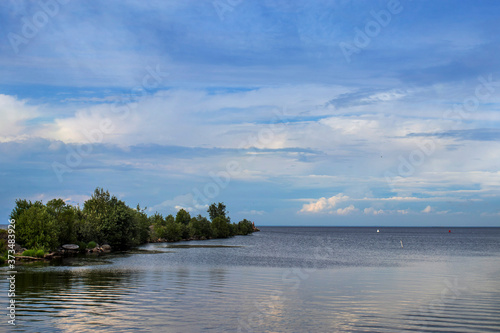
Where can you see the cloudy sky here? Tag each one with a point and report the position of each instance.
(291, 112)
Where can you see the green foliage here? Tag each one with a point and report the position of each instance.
(220, 227)
(3, 245)
(183, 217)
(184, 231)
(39, 253)
(109, 220)
(200, 228)
(141, 223)
(218, 210)
(82, 246)
(173, 231)
(66, 219)
(23, 205)
(36, 228)
(159, 224)
(106, 219)
(29, 253)
(245, 227)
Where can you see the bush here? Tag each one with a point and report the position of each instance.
(245, 227)
(39, 253)
(91, 245)
(81, 246)
(29, 253)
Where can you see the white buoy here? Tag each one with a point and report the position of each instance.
(401, 243)
(378, 230)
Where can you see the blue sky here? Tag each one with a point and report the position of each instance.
(291, 112)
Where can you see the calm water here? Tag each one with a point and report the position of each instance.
(278, 280)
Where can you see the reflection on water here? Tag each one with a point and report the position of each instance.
(281, 280)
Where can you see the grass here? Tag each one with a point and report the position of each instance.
(34, 253)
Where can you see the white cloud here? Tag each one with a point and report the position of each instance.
(373, 211)
(76, 199)
(323, 204)
(186, 202)
(13, 114)
(347, 210)
(427, 209)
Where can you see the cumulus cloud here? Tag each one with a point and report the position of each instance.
(14, 114)
(258, 118)
(323, 204)
(347, 210)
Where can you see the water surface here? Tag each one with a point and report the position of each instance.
(279, 280)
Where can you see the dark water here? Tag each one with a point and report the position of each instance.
(278, 280)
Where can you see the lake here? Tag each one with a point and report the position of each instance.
(282, 279)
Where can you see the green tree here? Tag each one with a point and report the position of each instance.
(216, 210)
(169, 219)
(183, 217)
(96, 212)
(173, 230)
(141, 223)
(245, 227)
(194, 228)
(23, 205)
(36, 228)
(109, 220)
(200, 228)
(159, 224)
(66, 220)
(220, 227)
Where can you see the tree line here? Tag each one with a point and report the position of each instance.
(104, 219)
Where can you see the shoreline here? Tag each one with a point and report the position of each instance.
(98, 250)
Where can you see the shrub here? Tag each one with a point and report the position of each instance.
(91, 245)
(29, 253)
(39, 253)
(81, 246)
(245, 227)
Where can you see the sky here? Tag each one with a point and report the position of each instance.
(335, 113)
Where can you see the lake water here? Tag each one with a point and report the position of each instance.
(281, 279)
